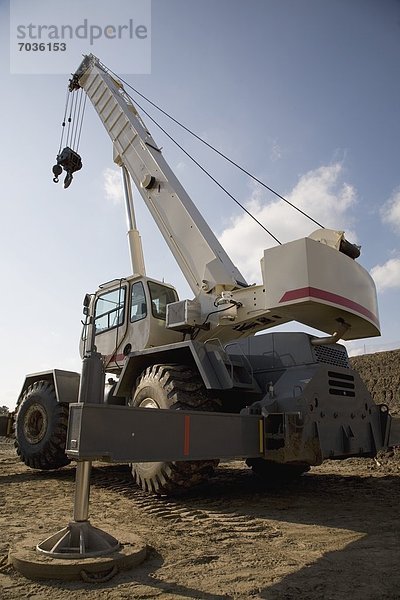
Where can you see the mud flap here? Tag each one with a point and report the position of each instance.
(6, 425)
(394, 434)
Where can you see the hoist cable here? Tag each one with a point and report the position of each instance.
(78, 117)
(231, 161)
(74, 123)
(70, 119)
(63, 121)
(207, 173)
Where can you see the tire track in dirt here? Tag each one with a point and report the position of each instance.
(199, 511)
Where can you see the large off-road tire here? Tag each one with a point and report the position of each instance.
(272, 472)
(41, 428)
(177, 387)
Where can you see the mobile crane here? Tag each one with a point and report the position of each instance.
(284, 401)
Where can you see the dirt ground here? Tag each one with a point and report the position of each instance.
(333, 533)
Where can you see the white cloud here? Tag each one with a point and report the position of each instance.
(387, 276)
(320, 193)
(359, 347)
(181, 166)
(355, 349)
(113, 185)
(390, 211)
(276, 151)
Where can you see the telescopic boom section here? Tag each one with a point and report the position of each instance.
(197, 251)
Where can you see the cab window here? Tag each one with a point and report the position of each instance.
(110, 310)
(138, 302)
(160, 297)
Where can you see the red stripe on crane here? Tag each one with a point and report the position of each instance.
(311, 292)
(114, 357)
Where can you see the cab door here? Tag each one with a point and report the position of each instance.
(110, 320)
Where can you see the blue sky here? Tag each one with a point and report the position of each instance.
(304, 93)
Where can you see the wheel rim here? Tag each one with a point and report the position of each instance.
(35, 424)
(147, 403)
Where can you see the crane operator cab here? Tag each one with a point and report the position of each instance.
(129, 314)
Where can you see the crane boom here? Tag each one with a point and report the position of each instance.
(196, 249)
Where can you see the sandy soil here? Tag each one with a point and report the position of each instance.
(333, 533)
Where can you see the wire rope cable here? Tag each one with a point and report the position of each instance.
(69, 120)
(64, 120)
(76, 122)
(208, 173)
(214, 149)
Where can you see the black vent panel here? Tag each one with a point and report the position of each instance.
(341, 384)
(332, 355)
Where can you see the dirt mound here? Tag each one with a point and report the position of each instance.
(381, 374)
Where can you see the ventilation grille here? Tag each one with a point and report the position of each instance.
(332, 355)
(341, 384)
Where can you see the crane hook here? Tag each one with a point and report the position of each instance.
(70, 161)
(57, 170)
(68, 179)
